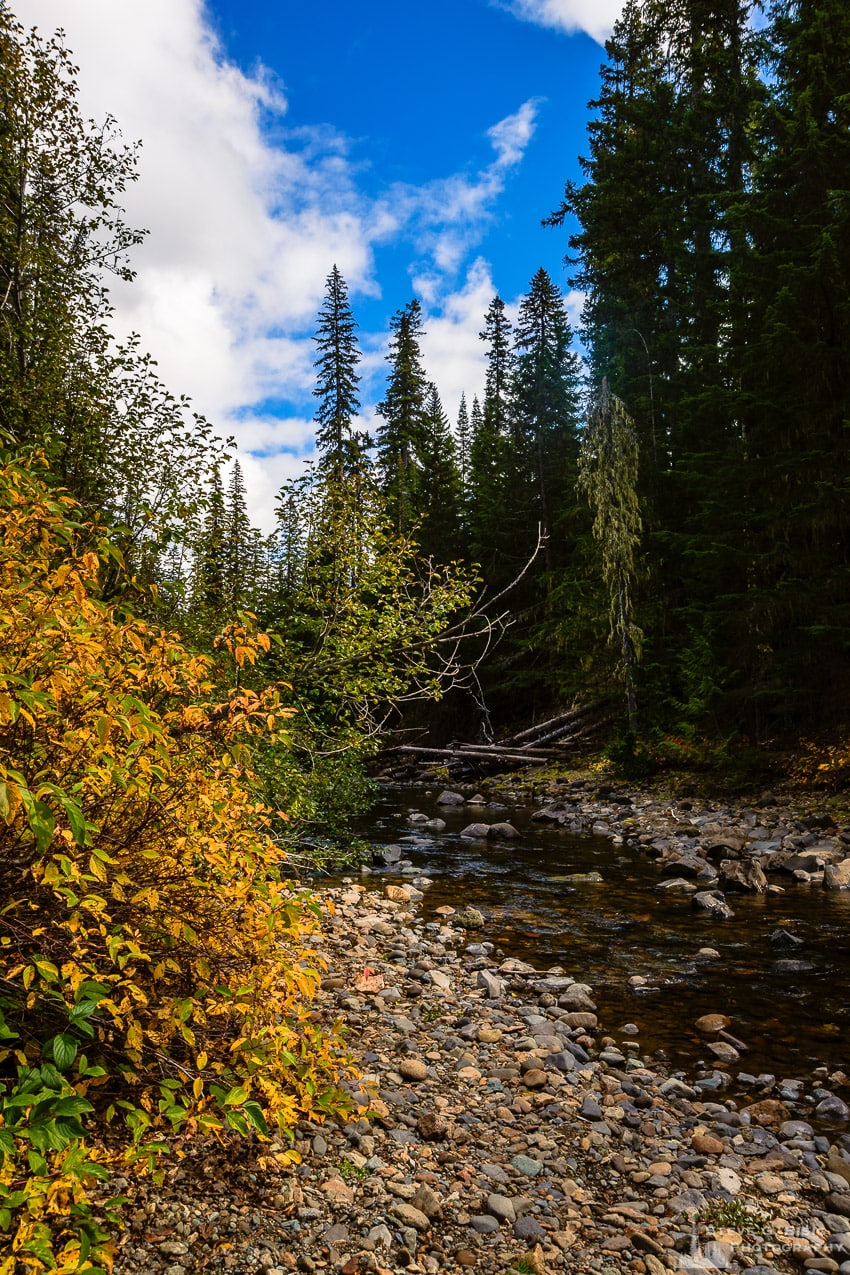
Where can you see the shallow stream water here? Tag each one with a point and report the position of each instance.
(791, 1008)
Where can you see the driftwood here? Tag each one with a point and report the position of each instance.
(576, 726)
(479, 753)
(562, 719)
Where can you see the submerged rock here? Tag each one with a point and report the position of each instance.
(713, 903)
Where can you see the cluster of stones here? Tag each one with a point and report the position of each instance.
(706, 850)
(495, 1127)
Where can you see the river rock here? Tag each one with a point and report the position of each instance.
(723, 1051)
(501, 1207)
(683, 866)
(483, 1224)
(413, 1069)
(577, 997)
(836, 876)
(711, 1024)
(738, 876)
(613, 1155)
(713, 903)
(513, 966)
(728, 1180)
(832, 1108)
(411, 1216)
(471, 919)
(449, 798)
(581, 1019)
(769, 1113)
(427, 1201)
(502, 832)
(563, 1061)
(402, 894)
(492, 985)
(783, 938)
(676, 885)
(705, 1144)
(387, 854)
(476, 831)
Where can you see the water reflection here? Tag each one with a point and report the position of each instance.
(790, 1007)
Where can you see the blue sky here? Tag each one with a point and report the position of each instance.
(418, 146)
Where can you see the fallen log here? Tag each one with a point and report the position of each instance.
(481, 753)
(562, 718)
(568, 728)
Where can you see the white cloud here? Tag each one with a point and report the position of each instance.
(245, 219)
(447, 216)
(452, 343)
(595, 17)
(574, 301)
(264, 476)
(511, 136)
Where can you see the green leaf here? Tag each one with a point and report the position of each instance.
(73, 1105)
(64, 1050)
(254, 1115)
(42, 824)
(237, 1095)
(50, 1077)
(237, 1121)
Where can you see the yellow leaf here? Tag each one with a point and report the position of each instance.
(96, 868)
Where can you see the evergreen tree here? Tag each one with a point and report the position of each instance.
(546, 381)
(664, 242)
(340, 450)
(401, 438)
(440, 493)
(210, 602)
(464, 440)
(497, 386)
(238, 542)
(794, 600)
(494, 463)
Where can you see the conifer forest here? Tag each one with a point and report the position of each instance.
(647, 516)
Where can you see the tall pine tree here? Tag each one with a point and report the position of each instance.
(401, 438)
(440, 492)
(546, 389)
(340, 448)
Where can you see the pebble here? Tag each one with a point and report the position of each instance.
(413, 1069)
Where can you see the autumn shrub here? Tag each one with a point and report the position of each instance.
(155, 970)
(823, 766)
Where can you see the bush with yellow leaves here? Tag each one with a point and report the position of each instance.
(154, 968)
(823, 766)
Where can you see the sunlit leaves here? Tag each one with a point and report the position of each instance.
(144, 916)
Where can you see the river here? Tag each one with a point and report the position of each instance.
(791, 1008)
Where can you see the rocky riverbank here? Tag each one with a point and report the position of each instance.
(506, 1129)
(699, 847)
